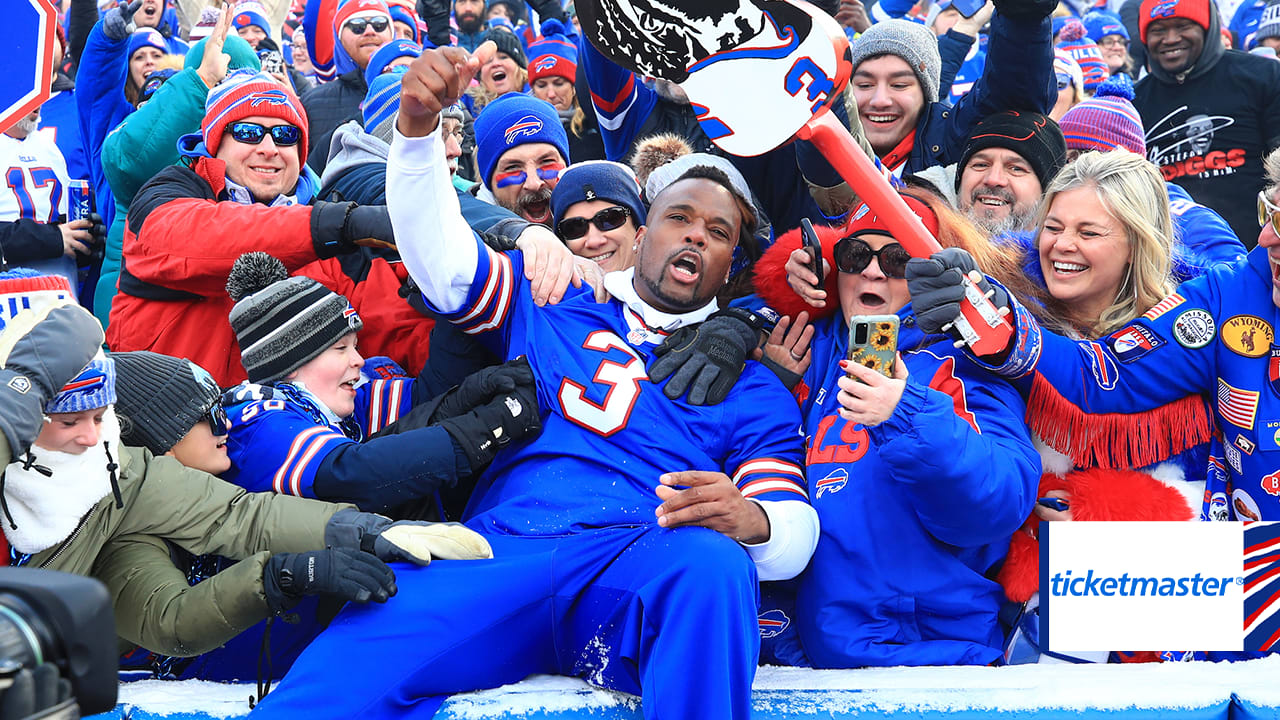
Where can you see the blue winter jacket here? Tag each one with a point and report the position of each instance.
(916, 512)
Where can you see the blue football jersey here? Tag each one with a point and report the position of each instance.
(608, 431)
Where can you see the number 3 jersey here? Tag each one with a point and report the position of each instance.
(35, 176)
(608, 431)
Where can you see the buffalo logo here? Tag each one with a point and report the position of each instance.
(1133, 342)
(545, 63)
(268, 97)
(527, 126)
(773, 623)
(833, 483)
(84, 384)
(1218, 511)
(1100, 363)
(1271, 484)
(1247, 335)
(1163, 9)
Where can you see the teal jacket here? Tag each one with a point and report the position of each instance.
(147, 142)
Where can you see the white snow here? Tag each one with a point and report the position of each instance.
(779, 690)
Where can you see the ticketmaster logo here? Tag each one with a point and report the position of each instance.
(1090, 585)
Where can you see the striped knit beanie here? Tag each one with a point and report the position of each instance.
(160, 398)
(1065, 66)
(94, 387)
(282, 322)
(384, 56)
(553, 54)
(382, 104)
(1085, 52)
(1107, 121)
(406, 12)
(249, 12)
(25, 289)
(248, 93)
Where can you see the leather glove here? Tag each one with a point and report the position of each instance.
(407, 540)
(482, 432)
(118, 23)
(97, 229)
(348, 575)
(480, 387)
(39, 352)
(707, 359)
(937, 287)
(341, 228)
(1025, 9)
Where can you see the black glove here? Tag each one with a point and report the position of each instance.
(97, 229)
(118, 23)
(340, 228)
(348, 575)
(39, 353)
(482, 432)
(937, 287)
(1026, 9)
(707, 359)
(406, 540)
(483, 386)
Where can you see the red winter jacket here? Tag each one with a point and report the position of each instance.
(179, 246)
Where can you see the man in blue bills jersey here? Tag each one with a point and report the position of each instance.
(629, 537)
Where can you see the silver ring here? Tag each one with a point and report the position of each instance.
(795, 357)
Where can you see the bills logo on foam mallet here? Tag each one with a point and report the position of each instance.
(526, 126)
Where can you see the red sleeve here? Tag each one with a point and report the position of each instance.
(190, 244)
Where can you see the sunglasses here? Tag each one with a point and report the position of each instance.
(252, 133)
(216, 416)
(854, 255)
(607, 219)
(358, 25)
(1267, 211)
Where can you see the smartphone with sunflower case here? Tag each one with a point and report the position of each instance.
(873, 342)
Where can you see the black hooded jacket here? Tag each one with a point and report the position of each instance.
(1209, 127)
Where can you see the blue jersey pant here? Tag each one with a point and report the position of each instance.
(669, 615)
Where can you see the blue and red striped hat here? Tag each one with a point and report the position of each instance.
(553, 54)
(93, 388)
(249, 93)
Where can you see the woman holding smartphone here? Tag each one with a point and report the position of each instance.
(915, 513)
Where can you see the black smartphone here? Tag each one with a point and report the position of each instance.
(814, 246)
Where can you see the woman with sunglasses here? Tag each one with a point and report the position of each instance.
(915, 514)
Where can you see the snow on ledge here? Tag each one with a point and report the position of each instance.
(946, 689)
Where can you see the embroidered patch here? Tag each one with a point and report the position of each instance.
(1246, 445)
(1194, 329)
(20, 384)
(1133, 342)
(1236, 406)
(1247, 335)
(1164, 306)
(1233, 458)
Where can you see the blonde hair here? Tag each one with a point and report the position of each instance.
(482, 96)
(1133, 191)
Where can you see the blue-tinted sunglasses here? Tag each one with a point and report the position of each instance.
(252, 133)
(216, 416)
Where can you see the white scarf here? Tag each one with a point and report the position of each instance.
(621, 285)
(48, 509)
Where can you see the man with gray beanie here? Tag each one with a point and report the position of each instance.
(896, 69)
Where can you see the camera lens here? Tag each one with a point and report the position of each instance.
(24, 636)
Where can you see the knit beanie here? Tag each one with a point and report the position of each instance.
(405, 13)
(384, 56)
(1035, 137)
(864, 221)
(508, 43)
(553, 54)
(146, 37)
(245, 94)
(1101, 23)
(160, 398)
(205, 25)
(237, 48)
(913, 42)
(597, 180)
(1063, 64)
(1269, 25)
(94, 387)
(381, 104)
(1197, 11)
(1106, 121)
(282, 322)
(663, 176)
(25, 289)
(349, 10)
(1085, 52)
(516, 119)
(250, 12)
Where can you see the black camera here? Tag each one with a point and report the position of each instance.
(56, 620)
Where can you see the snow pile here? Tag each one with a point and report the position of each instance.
(544, 694)
(166, 697)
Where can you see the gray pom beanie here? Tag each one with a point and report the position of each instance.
(283, 322)
(913, 42)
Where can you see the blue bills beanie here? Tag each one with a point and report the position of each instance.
(1101, 23)
(598, 180)
(382, 103)
(380, 59)
(251, 13)
(146, 37)
(93, 388)
(516, 119)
